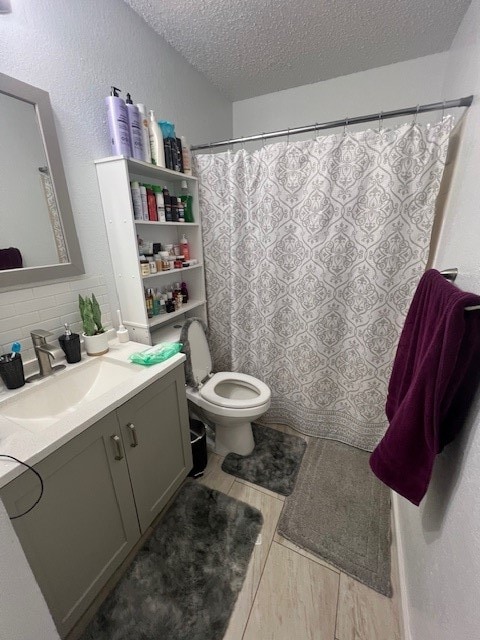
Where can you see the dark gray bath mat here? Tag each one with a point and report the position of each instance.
(186, 579)
(273, 464)
(341, 512)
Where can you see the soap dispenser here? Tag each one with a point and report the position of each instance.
(70, 343)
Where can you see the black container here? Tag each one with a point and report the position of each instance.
(11, 371)
(198, 440)
(71, 347)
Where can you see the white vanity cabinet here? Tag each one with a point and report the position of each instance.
(102, 490)
(114, 176)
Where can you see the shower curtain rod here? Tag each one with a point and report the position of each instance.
(434, 106)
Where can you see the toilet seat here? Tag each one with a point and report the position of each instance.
(217, 389)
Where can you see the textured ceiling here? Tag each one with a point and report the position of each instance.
(251, 47)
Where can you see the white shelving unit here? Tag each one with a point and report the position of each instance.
(114, 175)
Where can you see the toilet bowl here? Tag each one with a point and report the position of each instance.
(230, 400)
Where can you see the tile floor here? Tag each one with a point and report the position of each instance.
(290, 594)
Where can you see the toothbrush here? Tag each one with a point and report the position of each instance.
(16, 348)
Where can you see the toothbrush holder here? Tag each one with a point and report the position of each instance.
(11, 370)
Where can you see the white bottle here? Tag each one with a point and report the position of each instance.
(156, 142)
(143, 194)
(187, 157)
(137, 200)
(147, 154)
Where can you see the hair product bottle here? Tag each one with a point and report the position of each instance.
(185, 248)
(156, 142)
(147, 154)
(186, 157)
(135, 128)
(136, 200)
(118, 124)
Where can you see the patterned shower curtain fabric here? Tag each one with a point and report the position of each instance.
(313, 251)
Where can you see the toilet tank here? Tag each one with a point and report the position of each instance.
(170, 333)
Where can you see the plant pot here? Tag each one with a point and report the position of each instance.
(96, 345)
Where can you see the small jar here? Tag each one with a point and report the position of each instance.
(178, 263)
(144, 268)
(152, 265)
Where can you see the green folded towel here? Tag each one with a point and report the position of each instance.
(158, 353)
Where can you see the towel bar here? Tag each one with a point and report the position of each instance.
(451, 274)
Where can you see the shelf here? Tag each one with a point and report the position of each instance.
(139, 167)
(171, 272)
(167, 224)
(166, 317)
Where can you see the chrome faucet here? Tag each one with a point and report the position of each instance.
(45, 352)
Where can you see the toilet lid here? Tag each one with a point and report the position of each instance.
(235, 391)
(200, 358)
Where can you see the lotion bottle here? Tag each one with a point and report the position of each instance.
(118, 124)
(156, 142)
(147, 154)
(135, 127)
(186, 157)
(185, 248)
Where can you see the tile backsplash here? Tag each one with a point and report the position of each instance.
(46, 307)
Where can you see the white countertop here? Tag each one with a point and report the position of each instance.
(32, 447)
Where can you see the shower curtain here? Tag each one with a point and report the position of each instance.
(312, 253)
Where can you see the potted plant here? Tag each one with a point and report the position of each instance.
(94, 334)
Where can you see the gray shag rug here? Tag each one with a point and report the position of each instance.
(184, 582)
(341, 512)
(274, 462)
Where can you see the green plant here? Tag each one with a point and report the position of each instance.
(91, 315)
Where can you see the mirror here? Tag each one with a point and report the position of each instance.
(38, 240)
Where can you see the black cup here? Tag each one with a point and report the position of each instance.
(71, 347)
(11, 371)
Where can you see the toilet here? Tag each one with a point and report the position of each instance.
(232, 401)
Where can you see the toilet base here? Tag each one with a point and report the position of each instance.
(234, 438)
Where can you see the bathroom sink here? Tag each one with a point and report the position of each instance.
(51, 399)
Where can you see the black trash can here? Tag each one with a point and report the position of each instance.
(198, 440)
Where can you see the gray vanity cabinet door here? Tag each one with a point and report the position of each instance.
(156, 435)
(85, 524)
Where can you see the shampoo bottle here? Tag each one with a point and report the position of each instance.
(147, 154)
(134, 123)
(186, 157)
(118, 124)
(136, 200)
(156, 142)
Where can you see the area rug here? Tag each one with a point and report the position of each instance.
(341, 512)
(185, 580)
(274, 462)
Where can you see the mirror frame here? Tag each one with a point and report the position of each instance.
(40, 100)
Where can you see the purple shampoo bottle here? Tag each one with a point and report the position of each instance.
(135, 126)
(118, 124)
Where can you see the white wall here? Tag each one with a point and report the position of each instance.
(75, 51)
(385, 88)
(441, 539)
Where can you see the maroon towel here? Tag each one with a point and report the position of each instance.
(434, 378)
(10, 258)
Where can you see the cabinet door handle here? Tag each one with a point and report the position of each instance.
(133, 433)
(118, 447)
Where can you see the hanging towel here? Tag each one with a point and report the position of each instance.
(434, 378)
(10, 258)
